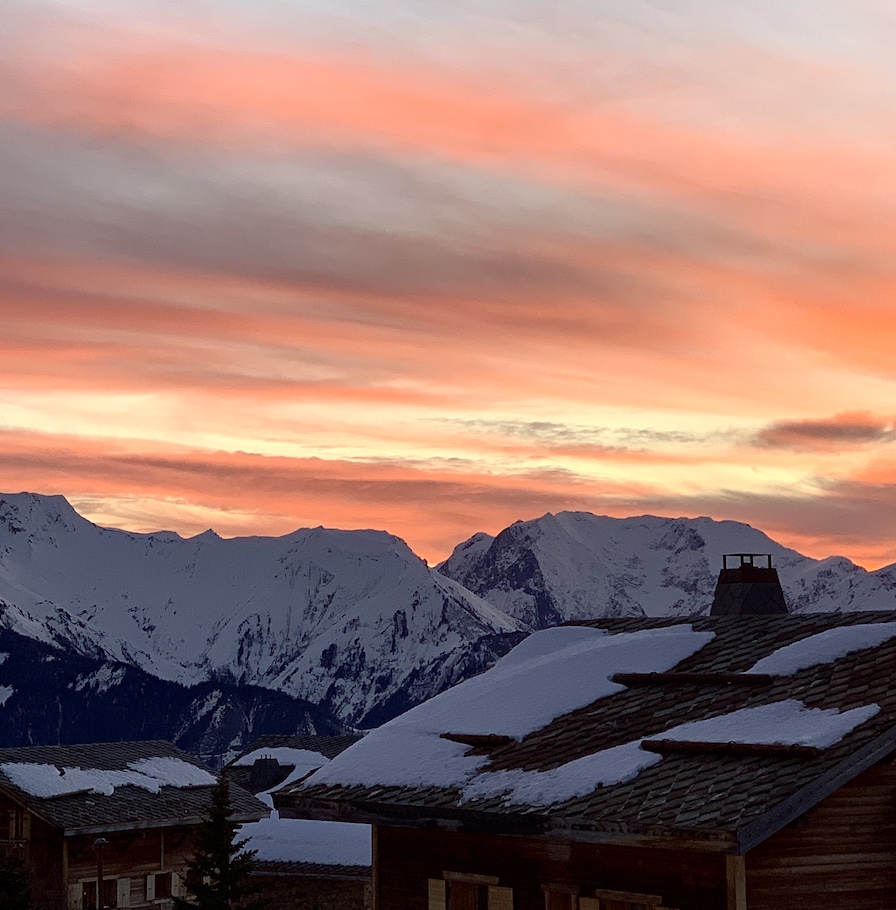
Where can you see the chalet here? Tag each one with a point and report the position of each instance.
(114, 818)
(718, 762)
(302, 863)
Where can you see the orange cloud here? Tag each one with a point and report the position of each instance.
(431, 507)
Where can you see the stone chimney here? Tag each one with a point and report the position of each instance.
(749, 587)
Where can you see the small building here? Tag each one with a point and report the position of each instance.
(699, 763)
(124, 814)
(302, 864)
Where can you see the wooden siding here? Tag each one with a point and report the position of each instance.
(841, 855)
(408, 858)
(60, 869)
(135, 856)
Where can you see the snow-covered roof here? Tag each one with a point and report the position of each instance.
(546, 676)
(292, 840)
(824, 647)
(634, 723)
(45, 780)
(115, 786)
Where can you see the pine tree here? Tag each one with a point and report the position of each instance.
(218, 874)
(15, 887)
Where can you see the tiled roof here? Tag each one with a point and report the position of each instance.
(129, 806)
(734, 798)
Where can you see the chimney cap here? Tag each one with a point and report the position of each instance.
(748, 559)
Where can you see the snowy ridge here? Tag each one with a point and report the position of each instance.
(575, 565)
(336, 617)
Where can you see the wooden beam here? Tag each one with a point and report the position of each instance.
(374, 867)
(630, 897)
(736, 869)
(668, 746)
(479, 740)
(470, 879)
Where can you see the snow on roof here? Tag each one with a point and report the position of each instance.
(302, 840)
(303, 762)
(546, 676)
(574, 779)
(824, 647)
(787, 722)
(45, 780)
(298, 758)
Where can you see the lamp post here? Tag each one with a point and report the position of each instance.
(99, 845)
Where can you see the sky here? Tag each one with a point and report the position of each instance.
(435, 268)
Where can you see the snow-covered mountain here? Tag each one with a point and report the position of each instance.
(342, 618)
(574, 565)
(353, 620)
(49, 695)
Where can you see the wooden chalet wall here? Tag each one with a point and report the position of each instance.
(406, 859)
(140, 859)
(60, 865)
(841, 855)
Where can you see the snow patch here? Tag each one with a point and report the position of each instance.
(100, 680)
(824, 648)
(576, 778)
(5, 693)
(302, 840)
(787, 723)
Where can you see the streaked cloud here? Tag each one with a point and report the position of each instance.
(436, 268)
(843, 431)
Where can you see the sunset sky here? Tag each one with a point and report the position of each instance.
(436, 267)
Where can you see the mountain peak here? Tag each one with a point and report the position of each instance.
(40, 512)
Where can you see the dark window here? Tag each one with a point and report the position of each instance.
(110, 893)
(467, 896)
(560, 901)
(163, 884)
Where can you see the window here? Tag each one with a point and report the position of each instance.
(163, 884)
(160, 886)
(110, 894)
(561, 897)
(466, 896)
(460, 891)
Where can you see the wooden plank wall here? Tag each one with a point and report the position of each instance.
(408, 858)
(841, 855)
(132, 855)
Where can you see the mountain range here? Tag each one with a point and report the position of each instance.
(350, 627)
